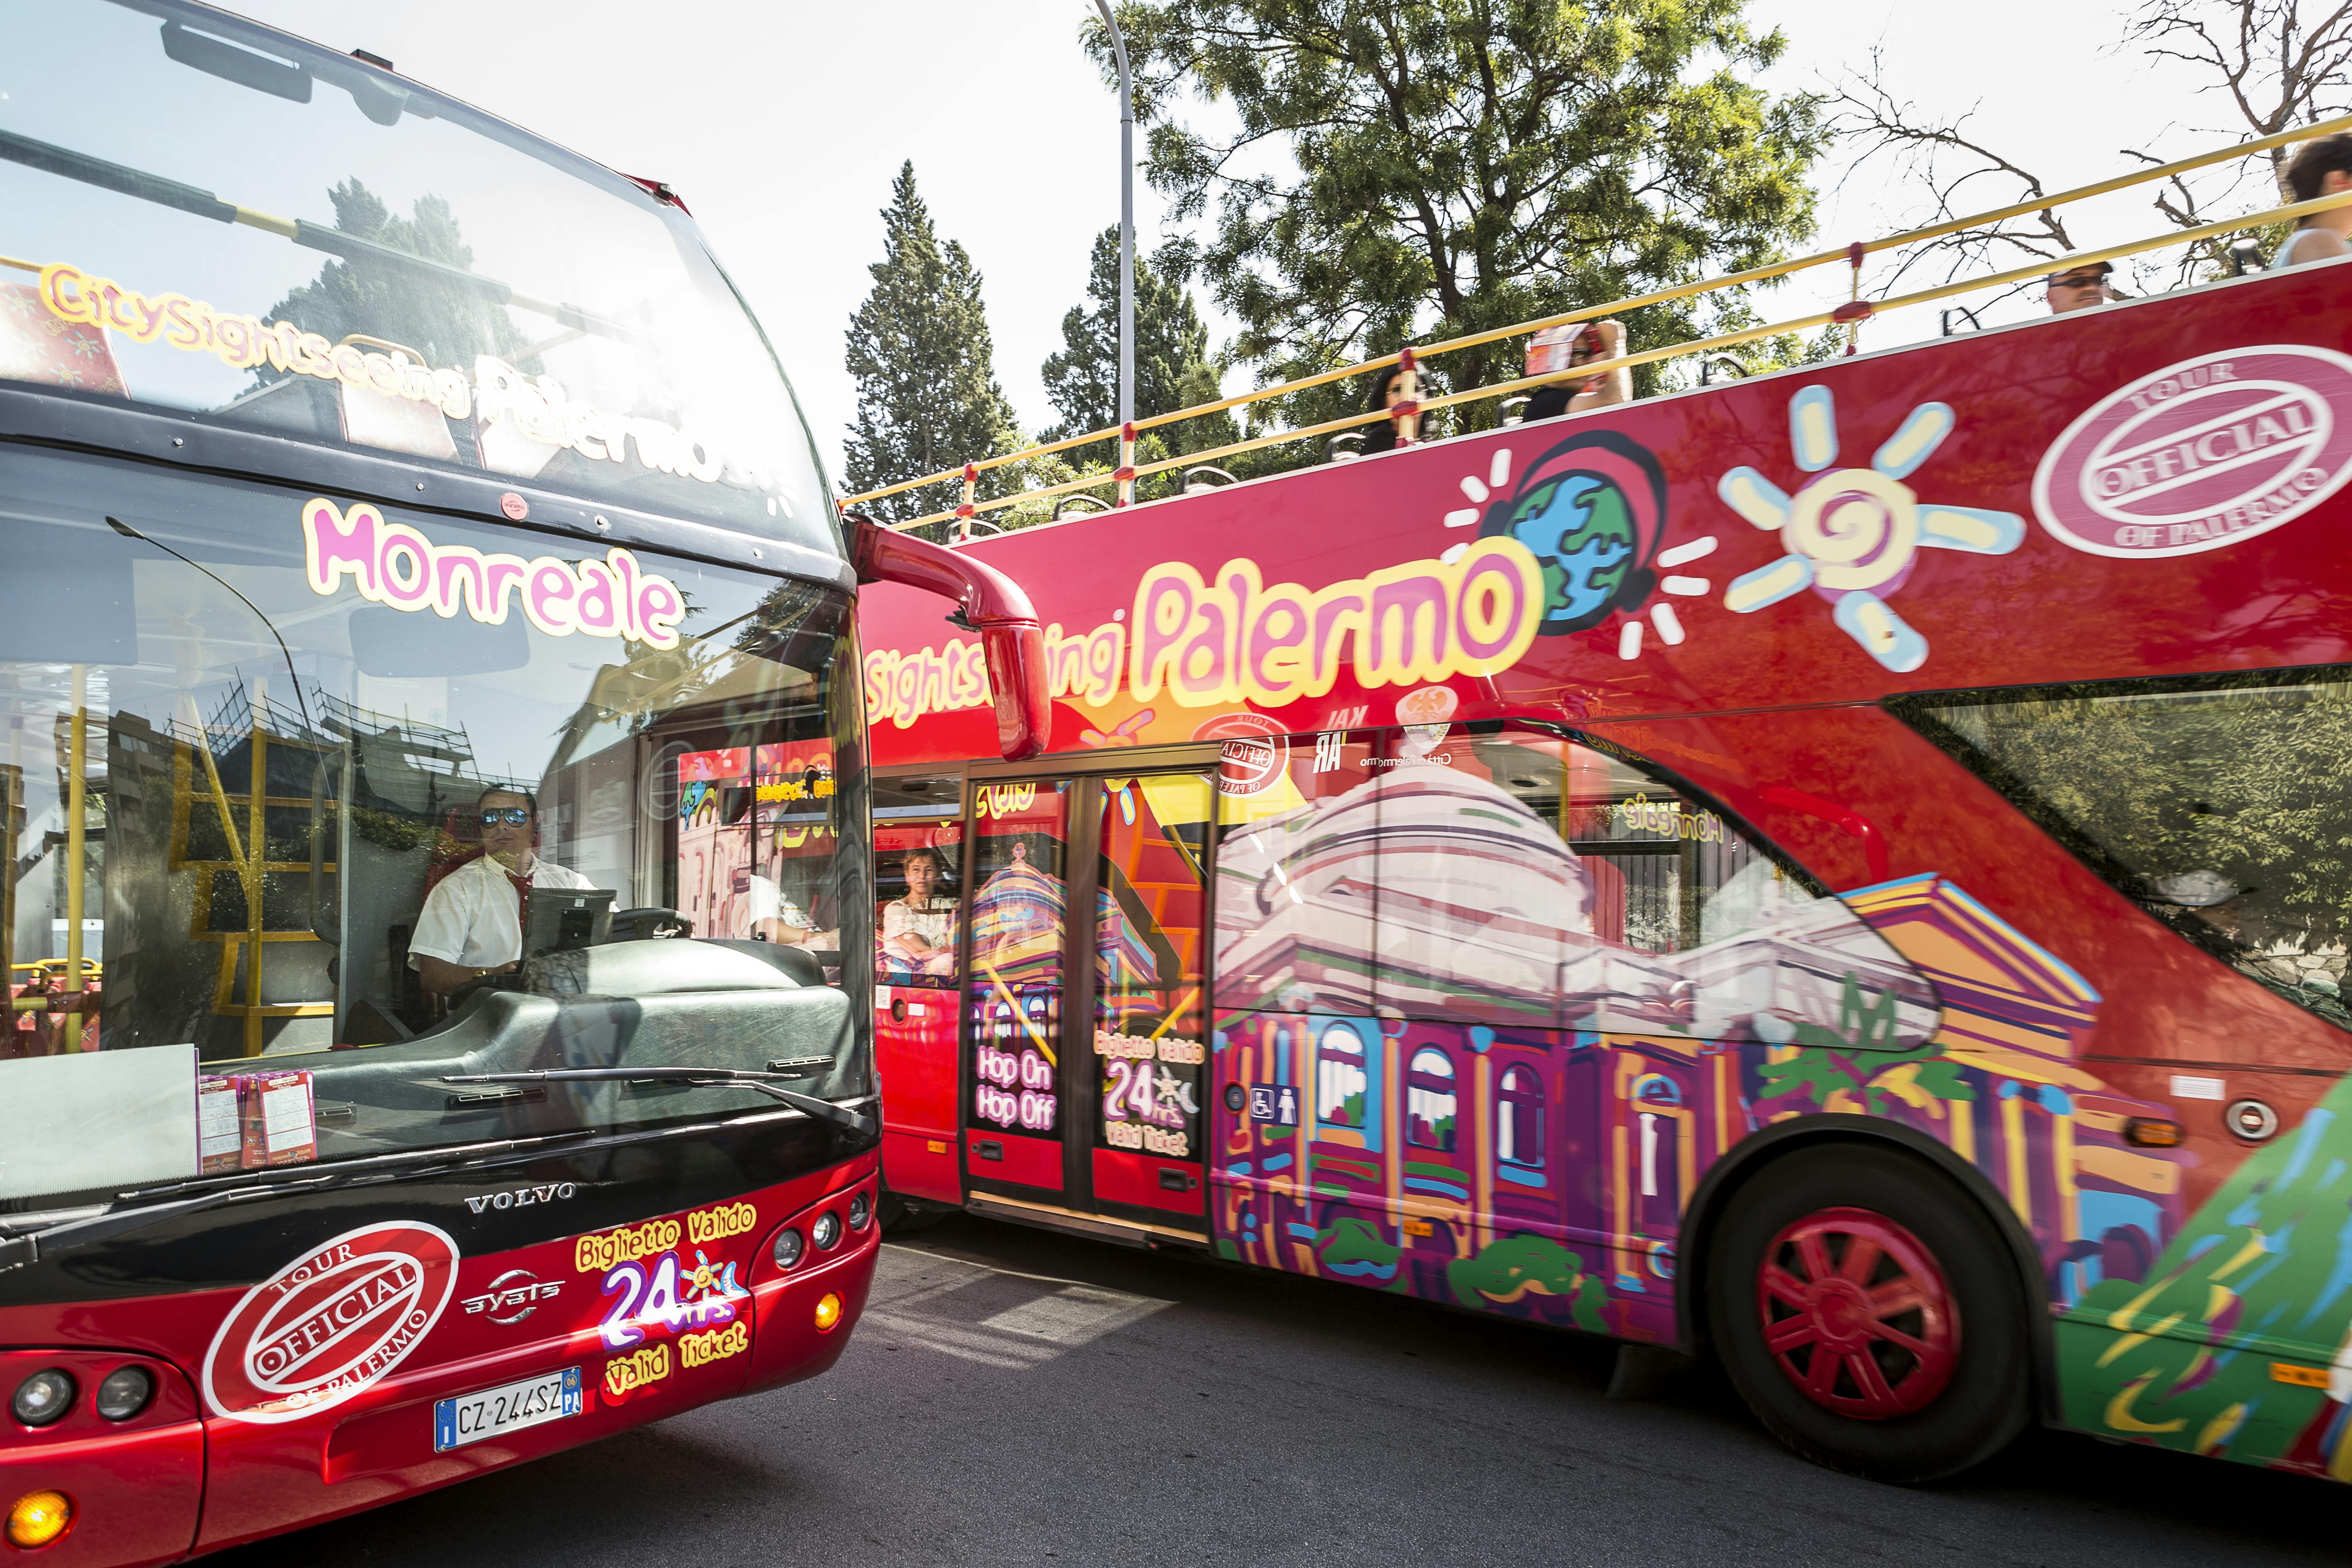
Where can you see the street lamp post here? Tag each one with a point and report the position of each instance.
(1125, 258)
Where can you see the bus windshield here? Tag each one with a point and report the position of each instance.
(320, 803)
(230, 224)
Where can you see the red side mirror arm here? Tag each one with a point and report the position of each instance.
(988, 602)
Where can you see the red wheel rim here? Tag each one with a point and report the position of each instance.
(1858, 1315)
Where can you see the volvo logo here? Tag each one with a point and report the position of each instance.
(523, 1197)
(512, 1297)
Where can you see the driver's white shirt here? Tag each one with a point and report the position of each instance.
(473, 918)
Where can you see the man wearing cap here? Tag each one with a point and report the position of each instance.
(2079, 288)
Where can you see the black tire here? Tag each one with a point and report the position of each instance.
(899, 1217)
(1931, 1415)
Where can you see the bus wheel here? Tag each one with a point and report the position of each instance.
(1867, 1310)
(900, 1217)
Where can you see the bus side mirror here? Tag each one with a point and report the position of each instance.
(987, 601)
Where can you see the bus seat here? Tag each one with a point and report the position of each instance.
(389, 423)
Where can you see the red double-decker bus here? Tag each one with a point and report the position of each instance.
(1841, 870)
(433, 775)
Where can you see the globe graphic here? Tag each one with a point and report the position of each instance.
(1580, 528)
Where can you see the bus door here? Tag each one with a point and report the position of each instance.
(1085, 1022)
(918, 864)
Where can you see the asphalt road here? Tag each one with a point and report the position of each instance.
(1017, 1397)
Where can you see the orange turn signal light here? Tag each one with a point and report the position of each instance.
(2151, 1133)
(828, 1311)
(39, 1519)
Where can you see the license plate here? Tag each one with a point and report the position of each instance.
(495, 1412)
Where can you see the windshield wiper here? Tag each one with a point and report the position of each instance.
(67, 1236)
(728, 1077)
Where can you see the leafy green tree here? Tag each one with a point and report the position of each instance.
(440, 319)
(1465, 165)
(924, 362)
(1172, 369)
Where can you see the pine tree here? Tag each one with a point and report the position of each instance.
(1172, 354)
(1171, 365)
(920, 349)
(447, 324)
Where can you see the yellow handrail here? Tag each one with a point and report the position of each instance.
(1661, 296)
(2297, 210)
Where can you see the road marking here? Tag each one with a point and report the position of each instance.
(996, 1317)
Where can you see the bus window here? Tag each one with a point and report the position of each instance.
(1019, 866)
(1521, 877)
(1505, 875)
(915, 926)
(480, 307)
(2230, 830)
(1429, 1100)
(918, 880)
(302, 853)
(1287, 904)
(1667, 873)
(1150, 920)
(915, 929)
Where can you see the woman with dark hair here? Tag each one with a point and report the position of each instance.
(2320, 168)
(1381, 438)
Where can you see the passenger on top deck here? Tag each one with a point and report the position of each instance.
(2079, 288)
(1582, 344)
(1381, 438)
(2320, 168)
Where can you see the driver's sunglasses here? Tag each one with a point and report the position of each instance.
(2080, 280)
(512, 816)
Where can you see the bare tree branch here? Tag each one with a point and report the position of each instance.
(2277, 64)
(1950, 165)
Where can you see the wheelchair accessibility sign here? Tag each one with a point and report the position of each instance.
(1275, 1102)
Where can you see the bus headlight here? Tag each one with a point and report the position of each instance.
(861, 1210)
(43, 1397)
(125, 1392)
(787, 1249)
(826, 1231)
(39, 1519)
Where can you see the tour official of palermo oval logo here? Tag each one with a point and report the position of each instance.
(2202, 454)
(331, 1322)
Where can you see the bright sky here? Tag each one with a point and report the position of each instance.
(781, 124)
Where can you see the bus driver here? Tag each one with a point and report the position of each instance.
(472, 921)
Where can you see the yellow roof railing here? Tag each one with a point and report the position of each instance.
(1850, 255)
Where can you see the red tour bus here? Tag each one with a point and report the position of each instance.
(1843, 869)
(433, 775)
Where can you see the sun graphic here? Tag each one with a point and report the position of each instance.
(1852, 535)
(1575, 512)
